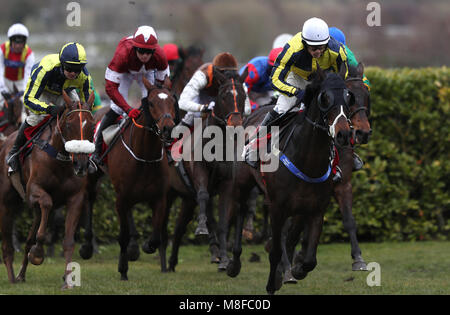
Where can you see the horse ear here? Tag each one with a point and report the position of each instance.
(147, 83)
(167, 83)
(219, 75)
(360, 69)
(244, 75)
(67, 99)
(320, 72)
(91, 99)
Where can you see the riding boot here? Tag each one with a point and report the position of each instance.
(12, 159)
(269, 118)
(357, 162)
(107, 120)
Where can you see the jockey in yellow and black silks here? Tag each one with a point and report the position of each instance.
(43, 94)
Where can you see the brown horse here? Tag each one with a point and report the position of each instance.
(54, 175)
(292, 192)
(138, 168)
(13, 114)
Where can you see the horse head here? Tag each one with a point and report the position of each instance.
(14, 107)
(230, 101)
(359, 104)
(326, 98)
(160, 109)
(76, 129)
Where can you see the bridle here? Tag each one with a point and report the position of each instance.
(360, 108)
(79, 111)
(226, 121)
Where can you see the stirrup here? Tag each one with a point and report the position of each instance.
(357, 162)
(338, 176)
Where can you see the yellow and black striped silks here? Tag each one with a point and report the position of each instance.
(295, 57)
(48, 75)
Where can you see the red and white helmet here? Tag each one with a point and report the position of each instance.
(145, 37)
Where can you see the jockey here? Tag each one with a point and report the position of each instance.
(200, 93)
(295, 64)
(135, 56)
(258, 80)
(338, 35)
(43, 94)
(16, 61)
(173, 58)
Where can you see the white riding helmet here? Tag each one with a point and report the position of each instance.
(315, 32)
(18, 29)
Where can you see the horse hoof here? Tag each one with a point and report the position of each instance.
(123, 277)
(66, 286)
(233, 268)
(133, 252)
(36, 255)
(289, 278)
(223, 265)
(359, 266)
(86, 251)
(148, 249)
(298, 273)
(201, 230)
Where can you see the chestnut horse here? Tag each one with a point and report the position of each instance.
(308, 146)
(138, 168)
(54, 176)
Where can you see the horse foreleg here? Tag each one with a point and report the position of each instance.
(234, 266)
(307, 261)
(158, 217)
(124, 237)
(223, 226)
(74, 209)
(344, 196)
(39, 198)
(7, 221)
(133, 246)
(28, 244)
(277, 221)
(184, 217)
(202, 200)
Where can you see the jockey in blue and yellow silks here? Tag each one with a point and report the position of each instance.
(43, 94)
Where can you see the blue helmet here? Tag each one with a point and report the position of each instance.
(337, 34)
(73, 53)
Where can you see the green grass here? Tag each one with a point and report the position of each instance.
(406, 268)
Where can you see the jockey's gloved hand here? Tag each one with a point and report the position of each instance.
(134, 113)
(54, 110)
(6, 96)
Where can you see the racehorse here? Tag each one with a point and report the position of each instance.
(13, 111)
(215, 176)
(307, 143)
(138, 169)
(54, 175)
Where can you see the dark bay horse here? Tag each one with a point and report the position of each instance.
(215, 176)
(54, 175)
(308, 147)
(138, 168)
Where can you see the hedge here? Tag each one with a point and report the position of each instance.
(402, 193)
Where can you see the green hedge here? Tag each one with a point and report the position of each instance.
(402, 193)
